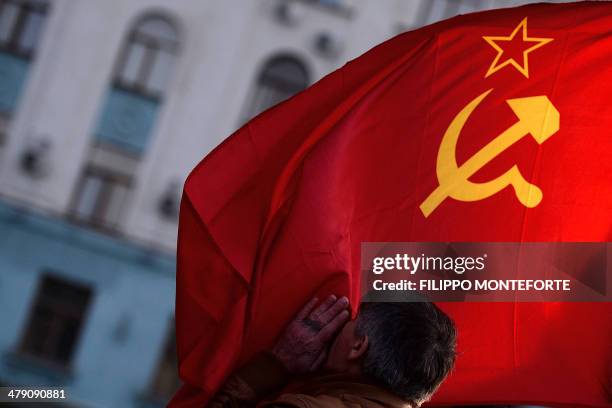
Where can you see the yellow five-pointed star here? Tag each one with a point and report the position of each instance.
(524, 67)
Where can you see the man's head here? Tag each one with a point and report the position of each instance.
(406, 347)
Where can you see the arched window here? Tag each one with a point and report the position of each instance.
(282, 76)
(147, 58)
(127, 117)
(140, 80)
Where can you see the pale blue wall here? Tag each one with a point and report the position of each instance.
(130, 284)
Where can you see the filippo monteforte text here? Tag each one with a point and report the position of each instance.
(476, 285)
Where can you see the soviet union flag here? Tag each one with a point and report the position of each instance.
(492, 126)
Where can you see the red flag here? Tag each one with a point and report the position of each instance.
(389, 148)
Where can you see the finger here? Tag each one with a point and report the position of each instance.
(340, 305)
(307, 308)
(319, 361)
(330, 329)
(323, 307)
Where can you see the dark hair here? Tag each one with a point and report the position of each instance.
(411, 347)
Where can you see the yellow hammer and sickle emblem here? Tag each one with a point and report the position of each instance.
(536, 116)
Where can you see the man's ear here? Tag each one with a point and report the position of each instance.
(358, 349)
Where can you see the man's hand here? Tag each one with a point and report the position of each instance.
(302, 348)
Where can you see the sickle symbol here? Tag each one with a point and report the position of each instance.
(536, 116)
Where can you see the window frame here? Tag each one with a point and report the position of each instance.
(153, 47)
(168, 347)
(40, 299)
(345, 8)
(262, 83)
(25, 8)
(109, 180)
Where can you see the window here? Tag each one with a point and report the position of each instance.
(281, 77)
(4, 124)
(56, 320)
(166, 381)
(100, 198)
(147, 58)
(20, 25)
(131, 106)
(337, 5)
(330, 3)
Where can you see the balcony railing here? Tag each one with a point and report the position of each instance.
(13, 73)
(126, 120)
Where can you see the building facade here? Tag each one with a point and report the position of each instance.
(105, 106)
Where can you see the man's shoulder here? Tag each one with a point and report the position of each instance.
(337, 391)
(304, 401)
